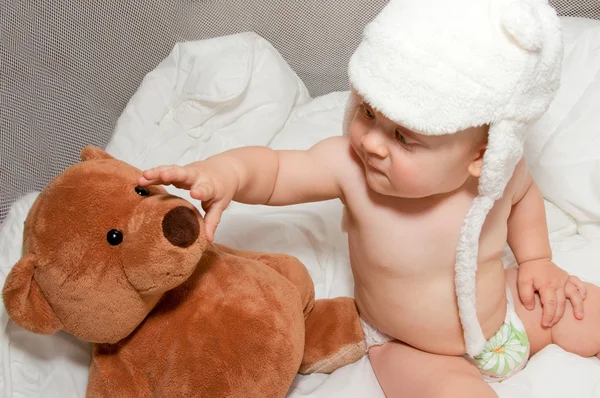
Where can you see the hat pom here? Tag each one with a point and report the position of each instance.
(523, 24)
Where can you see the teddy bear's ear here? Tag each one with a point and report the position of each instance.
(93, 153)
(25, 302)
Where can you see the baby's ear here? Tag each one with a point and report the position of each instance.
(477, 164)
(93, 153)
(25, 302)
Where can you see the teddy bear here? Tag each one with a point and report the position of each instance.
(169, 314)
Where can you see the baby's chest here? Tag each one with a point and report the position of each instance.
(396, 239)
(418, 237)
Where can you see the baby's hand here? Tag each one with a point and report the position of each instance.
(214, 183)
(554, 286)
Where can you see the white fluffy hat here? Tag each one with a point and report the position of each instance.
(440, 66)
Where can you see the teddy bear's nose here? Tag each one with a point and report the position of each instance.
(180, 226)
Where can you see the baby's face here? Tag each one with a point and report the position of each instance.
(403, 163)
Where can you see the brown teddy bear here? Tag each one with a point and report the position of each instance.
(171, 315)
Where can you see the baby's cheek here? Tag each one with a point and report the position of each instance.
(354, 135)
(409, 179)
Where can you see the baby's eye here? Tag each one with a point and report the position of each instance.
(367, 111)
(401, 138)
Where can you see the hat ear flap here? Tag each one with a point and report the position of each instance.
(504, 150)
(24, 300)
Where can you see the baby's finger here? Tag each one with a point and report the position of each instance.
(526, 294)
(151, 176)
(560, 306)
(176, 175)
(211, 220)
(205, 204)
(578, 283)
(549, 304)
(576, 298)
(203, 191)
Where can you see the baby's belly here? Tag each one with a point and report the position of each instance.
(424, 313)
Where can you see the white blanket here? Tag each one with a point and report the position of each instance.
(208, 96)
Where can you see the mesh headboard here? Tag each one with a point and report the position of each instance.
(68, 67)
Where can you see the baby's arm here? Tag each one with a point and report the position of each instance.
(257, 175)
(528, 239)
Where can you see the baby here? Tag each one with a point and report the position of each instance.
(433, 183)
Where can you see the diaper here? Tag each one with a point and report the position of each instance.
(373, 337)
(507, 351)
(503, 355)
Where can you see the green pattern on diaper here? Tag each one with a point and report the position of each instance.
(504, 353)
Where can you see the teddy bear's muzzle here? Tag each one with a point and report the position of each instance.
(181, 226)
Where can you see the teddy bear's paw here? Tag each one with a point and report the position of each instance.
(334, 336)
(346, 355)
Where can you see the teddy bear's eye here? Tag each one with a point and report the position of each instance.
(142, 191)
(114, 237)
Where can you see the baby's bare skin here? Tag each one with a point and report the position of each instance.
(402, 254)
(405, 199)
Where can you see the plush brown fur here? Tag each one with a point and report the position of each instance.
(171, 314)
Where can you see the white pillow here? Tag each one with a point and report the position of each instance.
(563, 147)
(207, 96)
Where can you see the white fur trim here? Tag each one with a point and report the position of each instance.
(351, 106)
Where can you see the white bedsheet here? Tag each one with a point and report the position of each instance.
(212, 95)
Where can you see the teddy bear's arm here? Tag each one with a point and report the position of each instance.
(334, 335)
(288, 266)
(112, 374)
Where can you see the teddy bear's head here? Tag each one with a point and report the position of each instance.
(99, 251)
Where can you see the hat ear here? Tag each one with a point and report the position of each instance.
(93, 153)
(521, 21)
(25, 302)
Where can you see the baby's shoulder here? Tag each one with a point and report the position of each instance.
(343, 161)
(339, 154)
(519, 182)
(337, 146)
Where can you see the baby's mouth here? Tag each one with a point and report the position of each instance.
(373, 167)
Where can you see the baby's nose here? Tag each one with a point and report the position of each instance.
(374, 144)
(180, 226)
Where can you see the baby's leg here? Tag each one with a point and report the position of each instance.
(581, 337)
(404, 371)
